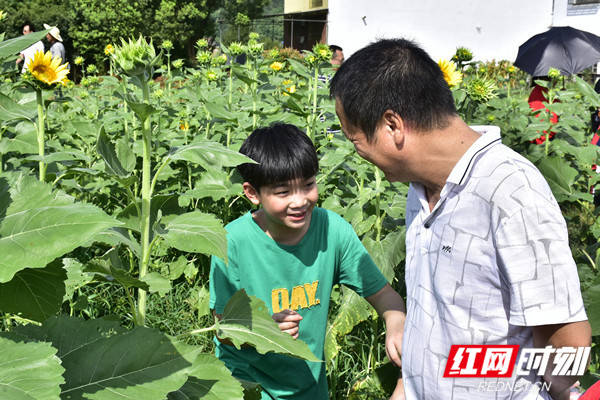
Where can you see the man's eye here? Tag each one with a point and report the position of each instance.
(281, 192)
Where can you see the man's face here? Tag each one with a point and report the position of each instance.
(26, 30)
(337, 58)
(381, 150)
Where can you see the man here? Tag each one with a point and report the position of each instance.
(27, 54)
(337, 54)
(487, 253)
(56, 47)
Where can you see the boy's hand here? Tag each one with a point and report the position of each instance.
(391, 307)
(288, 322)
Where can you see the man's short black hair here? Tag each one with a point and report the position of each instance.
(283, 152)
(397, 75)
(334, 48)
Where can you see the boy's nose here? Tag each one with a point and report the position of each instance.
(298, 200)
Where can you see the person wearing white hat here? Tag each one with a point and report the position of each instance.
(56, 47)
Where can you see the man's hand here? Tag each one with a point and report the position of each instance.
(398, 391)
(390, 306)
(288, 321)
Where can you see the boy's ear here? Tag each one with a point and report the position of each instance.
(251, 193)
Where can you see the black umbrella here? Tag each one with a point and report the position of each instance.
(565, 48)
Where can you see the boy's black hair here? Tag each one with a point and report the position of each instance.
(397, 75)
(31, 27)
(334, 48)
(283, 152)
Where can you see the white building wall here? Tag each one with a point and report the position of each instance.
(491, 29)
(585, 17)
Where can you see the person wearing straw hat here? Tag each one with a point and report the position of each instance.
(56, 47)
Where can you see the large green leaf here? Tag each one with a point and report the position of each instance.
(592, 98)
(104, 362)
(246, 320)
(387, 253)
(107, 150)
(10, 110)
(353, 310)
(25, 139)
(209, 154)
(592, 300)
(38, 225)
(195, 232)
(35, 293)
(214, 184)
(76, 277)
(29, 371)
(209, 380)
(560, 176)
(14, 46)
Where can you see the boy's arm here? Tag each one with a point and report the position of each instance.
(390, 306)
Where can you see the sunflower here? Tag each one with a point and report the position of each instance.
(276, 66)
(48, 70)
(451, 75)
(109, 50)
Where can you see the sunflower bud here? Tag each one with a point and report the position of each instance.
(78, 60)
(481, 89)
(177, 64)
(462, 55)
(2, 15)
(91, 69)
(274, 53)
(202, 44)
(218, 60)
(167, 45)
(236, 48)
(255, 49)
(553, 73)
(136, 59)
(322, 52)
(204, 57)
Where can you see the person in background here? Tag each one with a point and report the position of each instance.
(337, 54)
(56, 47)
(27, 54)
(536, 101)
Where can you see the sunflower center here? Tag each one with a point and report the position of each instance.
(44, 71)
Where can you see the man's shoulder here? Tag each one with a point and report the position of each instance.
(509, 180)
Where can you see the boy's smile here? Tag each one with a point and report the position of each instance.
(286, 208)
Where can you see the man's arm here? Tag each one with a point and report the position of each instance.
(390, 306)
(573, 334)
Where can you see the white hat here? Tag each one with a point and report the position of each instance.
(54, 32)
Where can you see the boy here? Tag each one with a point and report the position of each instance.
(290, 253)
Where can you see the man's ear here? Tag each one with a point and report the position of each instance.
(251, 193)
(394, 126)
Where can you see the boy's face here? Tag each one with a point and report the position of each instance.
(288, 204)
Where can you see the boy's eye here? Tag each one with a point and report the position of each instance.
(281, 192)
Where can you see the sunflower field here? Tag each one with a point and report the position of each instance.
(114, 193)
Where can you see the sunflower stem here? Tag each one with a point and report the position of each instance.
(40, 132)
(146, 198)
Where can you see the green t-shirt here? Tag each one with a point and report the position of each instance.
(299, 277)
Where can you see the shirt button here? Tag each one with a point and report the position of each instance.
(423, 250)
